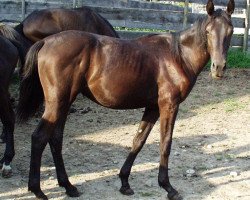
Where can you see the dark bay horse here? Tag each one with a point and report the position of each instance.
(8, 61)
(155, 72)
(19, 41)
(42, 23)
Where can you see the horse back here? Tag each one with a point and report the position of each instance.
(43, 23)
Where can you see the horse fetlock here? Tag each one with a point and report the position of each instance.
(124, 174)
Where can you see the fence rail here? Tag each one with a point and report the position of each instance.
(132, 14)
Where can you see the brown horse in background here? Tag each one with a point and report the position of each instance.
(42, 23)
(155, 72)
(8, 62)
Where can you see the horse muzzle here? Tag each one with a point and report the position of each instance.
(217, 70)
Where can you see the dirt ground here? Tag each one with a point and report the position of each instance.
(211, 137)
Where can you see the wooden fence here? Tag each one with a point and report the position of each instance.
(131, 15)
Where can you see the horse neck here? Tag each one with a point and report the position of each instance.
(193, 48)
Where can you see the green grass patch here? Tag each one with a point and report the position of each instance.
(141, 30)
(232, 105)
(238, 59)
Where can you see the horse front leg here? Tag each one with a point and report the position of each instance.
(8, 119)
(148, 120)
(168, 112)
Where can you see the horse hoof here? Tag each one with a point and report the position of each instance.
(38, 193)
(73, 192)
(126, 191)
(176, 196)
(6, 171)
(41, 196)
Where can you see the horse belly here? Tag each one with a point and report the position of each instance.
(119, 93)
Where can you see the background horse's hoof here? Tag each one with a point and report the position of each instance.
(6, 171)
(176, 196)
(73, 192)
(126, 191)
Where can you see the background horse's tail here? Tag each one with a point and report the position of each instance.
(31, 94)
(19, 29)
(17, 40)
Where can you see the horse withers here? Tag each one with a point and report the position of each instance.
(155, 72)
(8, 61)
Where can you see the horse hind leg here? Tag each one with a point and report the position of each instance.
(50, 130)
(55, 143)
(149, 118)
(8, 119)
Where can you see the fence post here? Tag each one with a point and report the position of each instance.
(74, 3)
(185, 15)
(23, 9)
(247, 19)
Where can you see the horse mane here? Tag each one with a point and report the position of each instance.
(95, 15)
(107, 22)
(200, 39)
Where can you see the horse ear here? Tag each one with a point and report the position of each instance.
(210, 7)
(230, 7)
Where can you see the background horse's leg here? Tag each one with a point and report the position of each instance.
(55, 143)
(149, 118)
(3, 136)
(168, 114)
(8, 119)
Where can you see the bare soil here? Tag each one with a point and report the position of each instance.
(211, 137)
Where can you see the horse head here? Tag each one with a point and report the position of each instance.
(219, 30)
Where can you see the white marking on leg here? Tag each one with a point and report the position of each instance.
(6, 167)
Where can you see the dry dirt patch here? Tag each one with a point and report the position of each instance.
(211, 137)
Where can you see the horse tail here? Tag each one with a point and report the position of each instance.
(31, 93)
(19, 29)
(16, 39)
